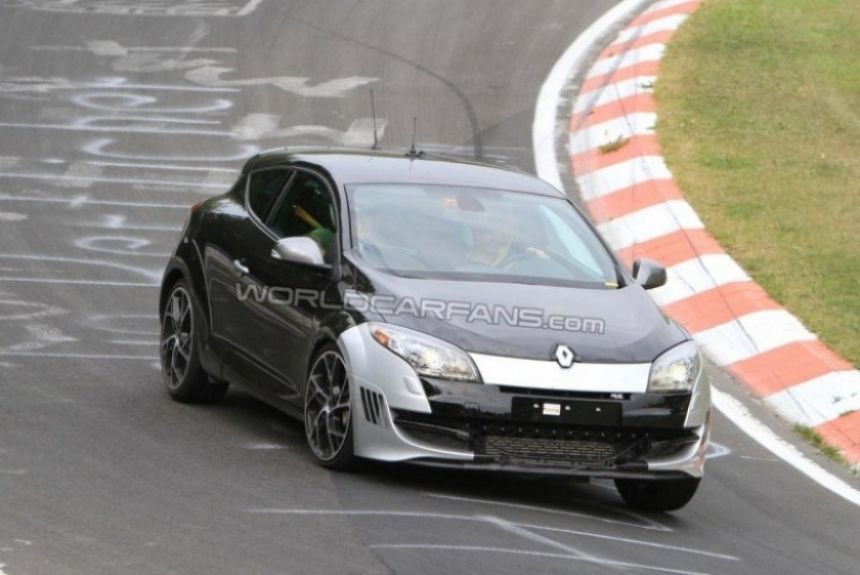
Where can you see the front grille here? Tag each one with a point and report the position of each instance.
(570, 450)
(506, 441)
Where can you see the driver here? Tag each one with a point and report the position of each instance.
(496, 243)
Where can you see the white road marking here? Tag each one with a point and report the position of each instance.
(264, 446)
(738, 414)
(119, 222)
(629, 541)
(209, 9)
(644, 522)
(112, 48)
(98, 147)
(525, 552)
(131, 129)
(74, 355)
(12, 217)
(37, 310)
(110, 180)
(211, 76)
(81, 201)
(141, 104)
(76, 282)
(154, 275)
(24, 84)
(540, 539)
(519, 528)
(168, 167)
(129, 246)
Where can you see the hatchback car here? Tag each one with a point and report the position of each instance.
(438, 312)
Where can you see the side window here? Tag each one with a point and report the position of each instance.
(264, 189)
(307, 209)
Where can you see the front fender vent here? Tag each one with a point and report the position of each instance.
(373, 405)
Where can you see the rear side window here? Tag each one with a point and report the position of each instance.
(264, 189)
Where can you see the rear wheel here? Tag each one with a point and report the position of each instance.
(328, 422)
(658, 495)
(181, 371)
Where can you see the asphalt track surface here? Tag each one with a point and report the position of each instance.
(110, 126)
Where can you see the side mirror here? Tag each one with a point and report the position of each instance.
(649, 274)
(299, 250)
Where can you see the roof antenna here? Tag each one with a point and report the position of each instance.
(373, 113)
(413, 152)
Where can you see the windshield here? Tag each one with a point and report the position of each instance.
(475, 234)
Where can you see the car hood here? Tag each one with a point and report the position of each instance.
(603, 325)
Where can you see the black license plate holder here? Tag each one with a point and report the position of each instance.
(574, 412)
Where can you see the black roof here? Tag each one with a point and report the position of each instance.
(349, 166)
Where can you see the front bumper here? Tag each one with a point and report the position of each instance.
(400, 417)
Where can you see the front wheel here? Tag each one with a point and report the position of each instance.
(180, 359)
(657, 495)
(328, 422)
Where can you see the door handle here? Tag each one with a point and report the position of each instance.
(241, 268)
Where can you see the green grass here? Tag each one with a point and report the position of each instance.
(759, 119)
(815, 439)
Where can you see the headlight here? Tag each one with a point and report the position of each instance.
(675, 370)
(427, 355)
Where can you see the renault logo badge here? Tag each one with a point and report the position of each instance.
(563, 355)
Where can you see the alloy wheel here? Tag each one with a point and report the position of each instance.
(327, 410)
(177, 332)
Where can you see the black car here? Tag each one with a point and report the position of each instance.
(444, 313)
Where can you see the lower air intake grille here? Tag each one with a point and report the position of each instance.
(548, 449)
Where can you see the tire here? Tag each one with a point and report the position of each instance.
(327, 411)
(657, 495)
(179, 350)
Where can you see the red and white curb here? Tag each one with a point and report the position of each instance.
(632, 197)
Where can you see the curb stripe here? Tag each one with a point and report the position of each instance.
(842, 433)
(631, 148)
(650, 223)
(751, 335)
(638, 41)
(641, 103)
(633, 199)
(627, 59)
(638, 207)
(700, 274)
(594, 135)
(651, 15)
(718, 305)
(674, 248)
(590, 101)
(819, 400)
(623, 175)
(666, 24)
(788, 366)
(644, 69)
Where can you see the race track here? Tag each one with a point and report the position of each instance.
(111, 125)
